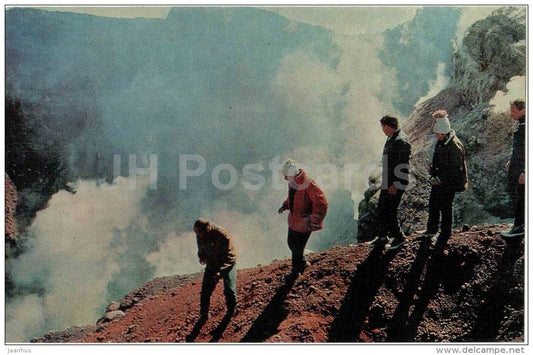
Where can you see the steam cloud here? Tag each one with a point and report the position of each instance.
(71, 258)
(318, 102)
(516, 89)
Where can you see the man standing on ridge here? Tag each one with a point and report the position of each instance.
(394, 182)
(448, 175)
(216, 252)
(516, 169)
(307, 207)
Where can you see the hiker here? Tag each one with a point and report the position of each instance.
(367, 221)
(394, 182)
(448, 175)
(516, 169)
(307, 207)
(216, 252)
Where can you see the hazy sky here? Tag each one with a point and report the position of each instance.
(341, 19)
(349, 19)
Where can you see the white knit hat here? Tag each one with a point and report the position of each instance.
(442, 125)
(289, 168)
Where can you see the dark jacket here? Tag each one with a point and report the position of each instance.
(368, 219)
(517, 163)
(216, 248)
(395, 160)
(449, 164)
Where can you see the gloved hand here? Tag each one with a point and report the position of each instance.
(314, 226)
(434, 180)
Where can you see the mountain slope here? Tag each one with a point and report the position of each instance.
(471, 292)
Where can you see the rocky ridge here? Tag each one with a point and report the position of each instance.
(471, 292)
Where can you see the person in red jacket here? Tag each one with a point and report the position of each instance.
(307, 206)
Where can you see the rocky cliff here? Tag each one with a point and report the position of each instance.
(492, 53)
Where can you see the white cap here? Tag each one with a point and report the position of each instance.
(441, 125)
(289, 168)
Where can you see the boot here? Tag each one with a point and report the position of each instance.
(516, 231)
(379, 241)
(396, 243)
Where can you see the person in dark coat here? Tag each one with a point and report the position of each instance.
(367, 220)
(394, 182)
(307, 206)
(448, 175)
(516, 169)
(216, 252)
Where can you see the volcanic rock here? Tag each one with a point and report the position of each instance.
(469, 293)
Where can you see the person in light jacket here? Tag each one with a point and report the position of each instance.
(307, 206)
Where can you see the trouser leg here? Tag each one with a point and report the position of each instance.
(229, 276)
(388, 211)
(434, 212)
(383, 207)
(446, 207)
(297, 242)
(209, 283)
(517, 194)
(519, 205)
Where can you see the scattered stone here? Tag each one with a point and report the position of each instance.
(113, 306)
(131, 328)
(110, 316)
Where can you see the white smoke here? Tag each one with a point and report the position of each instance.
(435, 86)
(25, 317)
(365, 89)
(515, 89)
(258, 238)
(71, 258)
(469, 15)
(176, 255)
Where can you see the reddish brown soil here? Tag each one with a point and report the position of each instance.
(348, 294)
